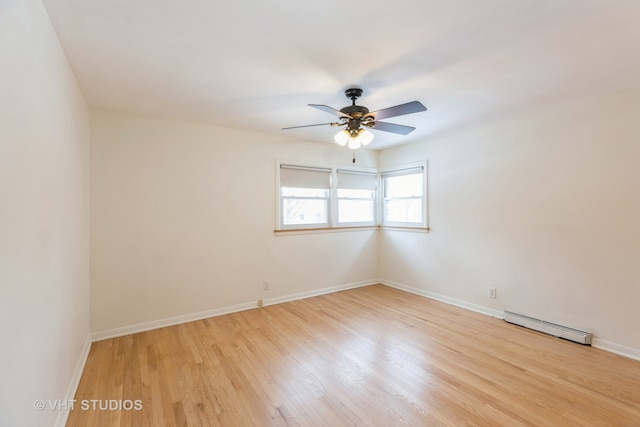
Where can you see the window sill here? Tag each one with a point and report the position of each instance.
(297, 231)
(405, 228)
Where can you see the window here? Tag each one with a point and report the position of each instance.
(356, 197)
(325, 198)
(304, 196)
(403, 197)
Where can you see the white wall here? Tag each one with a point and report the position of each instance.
(544, 206)
(182, 220)
(44, 216)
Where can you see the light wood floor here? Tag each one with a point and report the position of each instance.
(372, 356)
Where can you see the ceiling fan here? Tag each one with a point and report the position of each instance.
(356, 119)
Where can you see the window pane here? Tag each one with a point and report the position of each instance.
(304, 211)
(355, 210)
(403, 210)
(304, 192)
(403, 186)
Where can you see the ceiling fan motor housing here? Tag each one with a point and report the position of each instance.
(355, 112)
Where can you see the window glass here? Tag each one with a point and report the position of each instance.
(304, 211)
(403, 197)
(304, 196)
(356, 197)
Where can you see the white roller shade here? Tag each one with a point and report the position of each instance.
(356, 180)
(408, 171)
(300, 177)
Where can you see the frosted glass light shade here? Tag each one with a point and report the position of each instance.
(365, 137)
(354, 143)
(341, 138)
(345, 137)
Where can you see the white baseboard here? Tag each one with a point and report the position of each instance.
(61, 419)
(438, 297)
(176, 320)
(622, 350)
(169, 321)
(612, 347)
(317, 292)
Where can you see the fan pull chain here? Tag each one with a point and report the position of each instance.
(354, 156)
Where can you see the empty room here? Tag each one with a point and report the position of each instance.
(328, 213)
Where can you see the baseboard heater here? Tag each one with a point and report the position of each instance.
(582, 337)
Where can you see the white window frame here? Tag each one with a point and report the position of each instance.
(332, 215)
(374, 197)
(400, 170)
(281, 200)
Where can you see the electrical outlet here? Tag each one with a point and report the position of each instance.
(266, 285)
(493, 293)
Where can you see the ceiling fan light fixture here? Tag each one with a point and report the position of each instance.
(354, 139)
(365, 137)
(341, 138)
(354, 143)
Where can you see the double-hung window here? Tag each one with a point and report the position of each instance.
(404, 197)
(355, 193)
(304, 196)
(319, 198)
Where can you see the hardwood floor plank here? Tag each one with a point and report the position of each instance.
(372, 356)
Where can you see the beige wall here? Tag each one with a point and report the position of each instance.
(544, 206)
(182, 220)
(44, 217)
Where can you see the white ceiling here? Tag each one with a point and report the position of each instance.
(256, 64)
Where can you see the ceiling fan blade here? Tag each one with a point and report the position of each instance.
(398, 110)
(319, 124)
(330, 110)
(393, 128)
